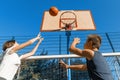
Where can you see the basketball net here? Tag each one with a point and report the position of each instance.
(68, 21)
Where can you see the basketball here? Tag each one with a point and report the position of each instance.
(53, 11)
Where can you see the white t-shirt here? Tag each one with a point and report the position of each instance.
(9, 65)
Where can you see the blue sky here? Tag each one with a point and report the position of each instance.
(24, 17)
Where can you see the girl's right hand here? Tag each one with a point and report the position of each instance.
(40, 40)
(38, 36)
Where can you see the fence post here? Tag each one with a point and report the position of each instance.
(59, 44)
(110, 42)
(68, 34)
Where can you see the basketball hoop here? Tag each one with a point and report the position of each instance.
(68, 20)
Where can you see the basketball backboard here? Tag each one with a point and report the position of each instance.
(81, 20)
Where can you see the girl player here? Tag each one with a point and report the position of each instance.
(11, 61)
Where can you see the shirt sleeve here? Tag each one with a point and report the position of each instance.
(21, 57)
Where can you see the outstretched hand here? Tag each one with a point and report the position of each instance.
(62, 64)
(38, 36)
(40, 40)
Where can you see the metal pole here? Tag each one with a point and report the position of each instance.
(59, 44)
(68, 34)
(68, 56)
(60, 69)
(110, 42)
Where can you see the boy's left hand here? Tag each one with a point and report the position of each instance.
(76, 40)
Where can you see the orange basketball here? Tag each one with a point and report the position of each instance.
(53, 11)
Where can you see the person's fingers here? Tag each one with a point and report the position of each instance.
(41, 39)
(61, 61)
(39, 35)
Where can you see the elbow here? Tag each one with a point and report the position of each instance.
(70, 49)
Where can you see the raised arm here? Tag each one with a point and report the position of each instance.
(82, 67)
(33, 50)
(29, 42)
(83, 53)
(73, 47)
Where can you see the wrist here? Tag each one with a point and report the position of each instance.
(34, 39)
(74, 43)
(68, 67)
